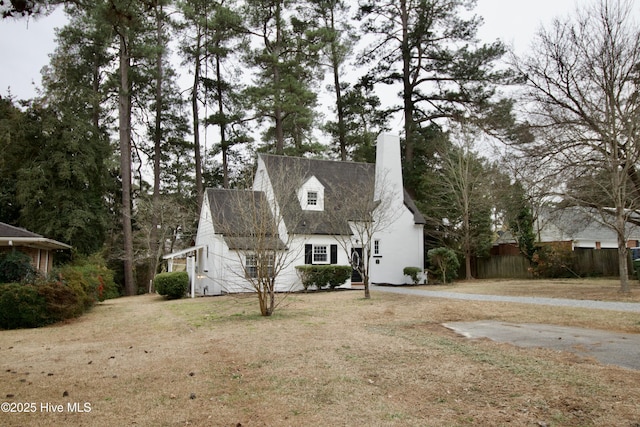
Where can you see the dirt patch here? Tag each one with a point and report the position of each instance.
(323, 359)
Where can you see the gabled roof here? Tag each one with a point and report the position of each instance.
(578, 223)
(341, 180)
(335, 176)
(14, 236)
(7, 230)
(236, 214)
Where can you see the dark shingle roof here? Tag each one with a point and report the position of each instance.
(338, 179)
(341, 181)
(7, 230)
(240, 215)
(10, 235)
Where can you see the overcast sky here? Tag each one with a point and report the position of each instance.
(25, 45)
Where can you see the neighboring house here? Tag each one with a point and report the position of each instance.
(579, 227)
(306, 226)
(39, 248)
(505, 244)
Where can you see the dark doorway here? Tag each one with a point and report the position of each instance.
(356, 264)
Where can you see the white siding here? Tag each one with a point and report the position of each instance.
(400, 246)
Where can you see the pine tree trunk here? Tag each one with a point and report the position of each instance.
(154, 243)
(196, 123)
(124, 121)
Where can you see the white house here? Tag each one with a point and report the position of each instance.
(306, 211)
(580, 227)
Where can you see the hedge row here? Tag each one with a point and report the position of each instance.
(65, 294)
(322, 276)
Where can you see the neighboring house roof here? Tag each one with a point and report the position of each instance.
(578, 223)
(14, 236)
(505, 238)
(340, 180)
(238, 229)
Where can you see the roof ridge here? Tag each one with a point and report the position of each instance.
(315, 159)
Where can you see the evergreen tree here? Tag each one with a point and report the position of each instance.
(60, 182)
(225, 38)
(285, 72)
(430, 50)
(63, 174)
(336, 37)
(12, 126)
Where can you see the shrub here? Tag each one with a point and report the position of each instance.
(21, 306)
(172, 285)
(61, 302)
(90, 279)
(553, 261)
(68, 292)
(444, 264)
(15, 266)
(321, 276)
(413, 273)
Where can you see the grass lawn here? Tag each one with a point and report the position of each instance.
(326, 359)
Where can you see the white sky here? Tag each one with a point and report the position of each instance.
(25, 45)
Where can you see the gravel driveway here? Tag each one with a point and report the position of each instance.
(561, 302)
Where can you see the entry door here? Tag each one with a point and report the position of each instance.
(356, 260)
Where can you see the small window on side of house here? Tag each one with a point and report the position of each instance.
(376, 247)
(251, 266)
(256, 266)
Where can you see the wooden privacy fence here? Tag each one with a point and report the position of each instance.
(584, 262)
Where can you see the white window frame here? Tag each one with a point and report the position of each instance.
(252, 268)
(316, 251)
(251, 265)
(312, 198)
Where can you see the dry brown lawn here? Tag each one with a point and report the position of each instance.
(592, 289)
(326, 359)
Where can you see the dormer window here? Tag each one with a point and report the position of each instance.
(311, 195)
(312, 198)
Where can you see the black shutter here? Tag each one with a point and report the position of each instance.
(308, 254)
(334, 254)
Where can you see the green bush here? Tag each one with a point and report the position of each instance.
(444, 264)
(90, 279)
(21, 306)
(321, 276)
(15, 266)
(67, 293)
(172, 285)
(61, 301)
(414, 273)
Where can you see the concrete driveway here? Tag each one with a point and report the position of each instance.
(607, 347)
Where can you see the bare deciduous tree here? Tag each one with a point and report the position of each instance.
(369, 209)
(467, 179)
(261, 250)
(583, 79)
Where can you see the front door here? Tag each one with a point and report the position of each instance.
(356, 264)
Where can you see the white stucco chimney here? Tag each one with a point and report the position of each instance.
(388, 168)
